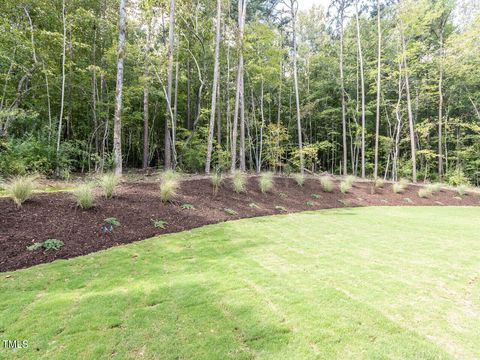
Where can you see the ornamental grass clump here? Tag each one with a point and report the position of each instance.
(327, 183)
(349, 180)
(265, 182)
(461, 190)
(345, 186)
(84, 196)
(216, 179)
(109, 183)
(299, 179)
(425, 192)
(21, 188)
(379, 183)
(169, 185)
(435, 188)
(239, 181)
(399, 187)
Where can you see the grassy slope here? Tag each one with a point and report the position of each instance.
(346, 283)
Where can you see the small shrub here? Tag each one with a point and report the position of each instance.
(216, 179)
(379, 183)
(21, 188)
(112, 221)
(299, 179)
(404, 182)
(327, 183)
(456, 177)
(254, 206)
(168, 188)
(435, 188)
(239, 181)
(170, 175)
(316, 196)
(310, 203)
(282, 195)
(425, 192)
(266, 182)
(345, 186)
(159, 224)
(109, 183)
(399, 187)
(350, 179)
(187, 207)
(408, 200)
(108, 225)
(461, 190)
(280, 208)
(84, 196)
(230, 211)
(50, 244)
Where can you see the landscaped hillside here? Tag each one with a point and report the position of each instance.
(361, 283)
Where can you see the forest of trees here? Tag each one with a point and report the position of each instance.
(373, 88)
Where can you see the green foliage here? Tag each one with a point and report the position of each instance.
(50, 244)
(239, 181)
(112, 221)
(299, 179)
(435, 188)
(187, 207)
(21, 188)
(265, 182)
(316, 196)
(461, 190)
(327, 183)
(310, 203)
(109, 183)
(84, 196)
(230, 211)
(160, 224)
(216, 179)
(456, 177)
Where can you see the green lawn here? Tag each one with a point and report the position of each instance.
(370, 283)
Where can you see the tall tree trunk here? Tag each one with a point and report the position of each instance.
(379, 64)
(62, 96)
(146, 103)
(294, 9)
(440, 109)
(342, 90)
(362, 84)
(242, 85)
(216, 72)
(413, 146)
(168, 124)
(117, 121)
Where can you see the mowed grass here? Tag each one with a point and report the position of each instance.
(363, 283)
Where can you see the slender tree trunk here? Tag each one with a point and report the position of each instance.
(362, 83)
(342, 90)
(242, 16)
(168, 124)
(216, 72)
(146, 103)
(379, 64)
(62, 96)
(294, 9)
(410, 115)
(117, 122)
(440, 110)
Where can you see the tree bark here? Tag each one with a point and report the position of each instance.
(342, 90)
(117, 121)
(379, 64)
(216, 72)
(168, 138)
(62, 96)
(362, 84)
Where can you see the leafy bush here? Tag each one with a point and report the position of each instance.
(159, 224)
(21, 188)
(456, 177)
(425, 192)
(345, 186)
(327, 183)
(266, 182)
(50, 244)
(316, 196)
(239, 181)
(299, 179)
(109, 183)
(230, 211)
(84, 196)
(112, 221)
(216, 179)
(187, 207)
(461, 190)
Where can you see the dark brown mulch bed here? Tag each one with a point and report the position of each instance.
(56, 216)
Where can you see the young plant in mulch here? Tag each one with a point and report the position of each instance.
(327, 183)
(230, 211)
(282, 195)
(266, 182)
(345, 186)
(281, 209)
(316, 196)
(461, 190)
(159, 224)
(50, 244)
(310, 203)
(187, 207)
(379, 183)
(216, 179)
(425, 192)
(109, 183)
(299, 179)
(109, 224)
(21, 188)
(169, 184)
(253, 206)
(84, 196)
(239, 181)
(408, 200)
